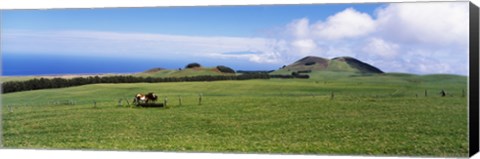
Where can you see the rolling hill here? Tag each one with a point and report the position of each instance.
(187, 72)
(338, 64)
(348, 65)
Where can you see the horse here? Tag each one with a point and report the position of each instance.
(145, 98)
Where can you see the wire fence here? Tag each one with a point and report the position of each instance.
(119, 102)
(199, 99)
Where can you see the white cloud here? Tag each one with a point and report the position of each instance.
(413, 37)
(346, 24)
(124, 44)
(379, 47)
(322, 38)
(425, 37)
(264, 57)
(274, 53)
(441, 23)
(304, 46)
(299, 28)
(420, 64)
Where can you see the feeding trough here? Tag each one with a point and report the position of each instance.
(150, 104)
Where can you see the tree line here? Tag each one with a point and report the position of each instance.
(46, 83)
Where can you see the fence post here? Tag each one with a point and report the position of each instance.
(127, 101)
(180, 100)
(10, 109)
(120, 102)
(200, 99)
(165, 101)
(426, 93)
(443, 93)
(332, 96)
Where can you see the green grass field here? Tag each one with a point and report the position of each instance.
(368, 115)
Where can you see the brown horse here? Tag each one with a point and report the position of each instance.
(145, 98)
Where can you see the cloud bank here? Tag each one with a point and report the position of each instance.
(421, 38)
(418, 38)
(123, 44)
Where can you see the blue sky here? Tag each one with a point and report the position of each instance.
(420, 38)
(202, 21)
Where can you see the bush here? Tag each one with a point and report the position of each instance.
(305, 71)
(225, 69)
(44, 83)
(193, 65)
(302, 76)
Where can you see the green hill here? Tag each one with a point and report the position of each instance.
(338, 64)
(187, 72)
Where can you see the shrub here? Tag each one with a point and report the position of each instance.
(225, 69)
(305, 71)
(193, 65)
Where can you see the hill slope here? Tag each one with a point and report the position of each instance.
(338, 64)
(188, 72)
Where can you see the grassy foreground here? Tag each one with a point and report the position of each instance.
(376, 115)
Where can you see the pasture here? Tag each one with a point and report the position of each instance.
(360, 115)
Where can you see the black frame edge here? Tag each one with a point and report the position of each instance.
(474, 80)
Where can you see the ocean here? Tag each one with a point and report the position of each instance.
(24, 64)
(34, 64)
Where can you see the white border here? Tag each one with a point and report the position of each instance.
(49, 4)
(80, 154)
